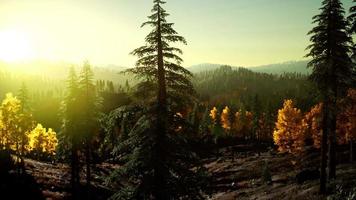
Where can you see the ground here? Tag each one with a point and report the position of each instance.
(238, 178)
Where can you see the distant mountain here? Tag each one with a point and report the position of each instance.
(286, 67)
(279, 68)
(59, 70)
(203, 67)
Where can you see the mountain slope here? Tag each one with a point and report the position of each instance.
(286, 67)
(278, 68)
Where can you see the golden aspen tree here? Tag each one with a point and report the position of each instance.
(42, 141)
(213, 115)
(225, 119)
(288, 134)
(312, 122)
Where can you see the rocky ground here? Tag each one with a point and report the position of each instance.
(236, 176)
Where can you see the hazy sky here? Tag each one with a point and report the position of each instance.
(235, 32)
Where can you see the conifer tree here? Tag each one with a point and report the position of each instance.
(26, 119)
(352, 18)
(89, 105)
(70, 128)
(159, 63)
(256, 116)
(332, 73)
(158, 164)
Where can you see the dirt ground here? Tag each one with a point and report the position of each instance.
(238, 178)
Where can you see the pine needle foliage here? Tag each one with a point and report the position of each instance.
(157, 161)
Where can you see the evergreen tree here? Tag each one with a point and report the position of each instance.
(88, 114)
(70, 129)
(256, 117)
(352, 31)
(23, 96)
(158, 163)
(332, 73)
(159, 64)
(352, 18)
(26, 119)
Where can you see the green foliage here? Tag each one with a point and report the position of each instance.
(116, 127)
(330, 49)
(157, 162)
(239, 87)
(140, 158)
(180, 91)
(352, 19)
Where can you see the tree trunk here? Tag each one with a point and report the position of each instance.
(352, 155)
(323, 160)
(88, 173)
(74, 171)
(160, 170)
(332, 140)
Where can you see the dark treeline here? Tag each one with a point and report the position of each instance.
(239, 87)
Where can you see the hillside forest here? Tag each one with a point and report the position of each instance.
(162, 131)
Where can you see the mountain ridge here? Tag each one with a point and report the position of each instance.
(276, 68)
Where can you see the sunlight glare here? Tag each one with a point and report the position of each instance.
(15, 46)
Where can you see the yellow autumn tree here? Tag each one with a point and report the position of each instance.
(42, 141)
(214, 115)
(312, 122)
(225, 119)
(10, 119)
(289, 131)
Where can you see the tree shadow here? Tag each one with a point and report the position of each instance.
(14, 185)
(22, 186)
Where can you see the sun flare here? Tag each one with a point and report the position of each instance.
(15, 46)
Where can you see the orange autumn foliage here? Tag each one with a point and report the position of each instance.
(214, 115)
(312, 121)
(289, 131)
(225, 119)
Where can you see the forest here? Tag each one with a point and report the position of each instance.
(162, 131)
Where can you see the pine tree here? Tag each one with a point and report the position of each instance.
(70, 128)
(332, 73)
(23, 96)
(88, 115)
(158, 163)
(256, 116)
(159, 65)
(352, 31)
(26, 119)
(352, 19)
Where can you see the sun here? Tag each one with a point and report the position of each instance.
(15, 46)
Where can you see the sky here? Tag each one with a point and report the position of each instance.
(234, 32)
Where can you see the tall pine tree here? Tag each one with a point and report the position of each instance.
(332, 73)
(89, 108)
(158, 164)
(70, 129)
